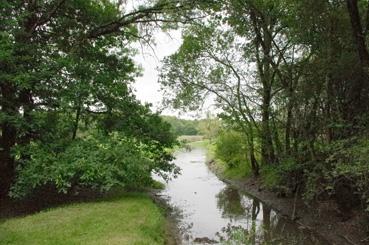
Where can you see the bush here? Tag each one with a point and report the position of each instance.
(231, 149)
(341, 171)
(97, 162)
(284, 178)
(348, 162)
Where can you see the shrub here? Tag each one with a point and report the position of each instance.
(97, 162)
(284, 178)
(349, 164)
(230, 148)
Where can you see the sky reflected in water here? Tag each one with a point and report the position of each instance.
(210, 211)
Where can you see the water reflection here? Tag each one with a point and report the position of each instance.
(263, 226)
(210, 211)
(230, 203)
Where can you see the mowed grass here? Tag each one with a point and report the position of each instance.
(128, 219)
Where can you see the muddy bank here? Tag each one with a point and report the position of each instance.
(172, 232)
(322, 218)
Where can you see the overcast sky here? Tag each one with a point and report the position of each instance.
(147, 86)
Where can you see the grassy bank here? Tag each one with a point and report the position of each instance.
(237, 172)
(191, 138)
(123, 219)
(220, 167)
(201, 143)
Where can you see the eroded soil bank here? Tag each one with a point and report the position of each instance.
(322, 218)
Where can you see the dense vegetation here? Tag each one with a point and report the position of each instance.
(68, 117)
(292, 78)
(208, 127)
(182, 126)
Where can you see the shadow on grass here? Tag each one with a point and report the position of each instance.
(49, 198)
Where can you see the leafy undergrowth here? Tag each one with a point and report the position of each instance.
(157, 185)
(123, 219)
(238, 171)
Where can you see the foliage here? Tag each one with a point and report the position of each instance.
(231, 148)
(157, 185)
(285, 178)
(209, 127)
(182, 126)
(66, 74)
(123, 219)
(292, 77)
(226, 156)
(345, 168)
(96, 162)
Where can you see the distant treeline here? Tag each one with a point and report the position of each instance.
(207, 127)
(183, 126)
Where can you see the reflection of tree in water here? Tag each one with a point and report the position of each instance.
(279, 231)
(229, 201)
(177, 216)
(254, 214)
(240, 235)
(234, 235)
(272, 230)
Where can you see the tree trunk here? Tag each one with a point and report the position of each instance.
(10, 104)
(358, 33)
(266, 222)
(359, 88)
(288, 128)
(76, 122)
(253, 161)
(267, 149)
(8, 138)
(28, 132)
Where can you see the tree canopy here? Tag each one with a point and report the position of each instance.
(289, 77)
(292, 77)
(68, 116)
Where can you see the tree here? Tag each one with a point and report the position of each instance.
(182, 126)
(68, 62)
(202, 67)
(290, 75)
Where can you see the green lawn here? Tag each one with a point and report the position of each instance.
(128, 219)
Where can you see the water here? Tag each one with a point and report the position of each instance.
(210, 211)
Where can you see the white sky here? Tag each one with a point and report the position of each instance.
(147, 86)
